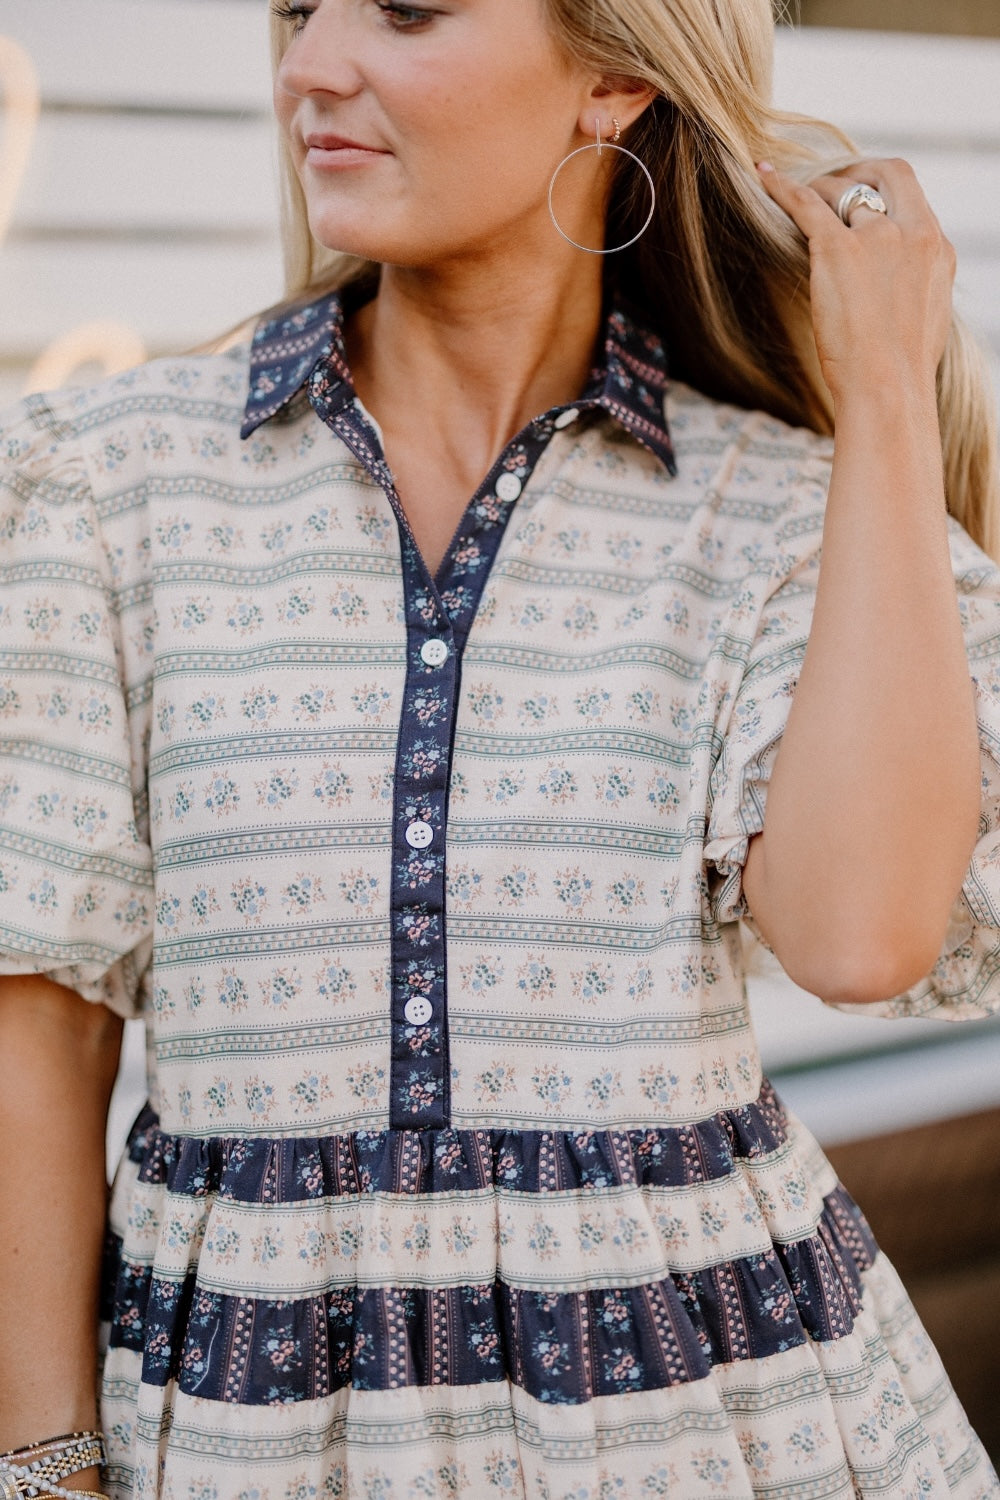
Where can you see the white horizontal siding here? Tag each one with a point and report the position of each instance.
(885, 87)
(176, 293)
(208, 55)
(146, 174)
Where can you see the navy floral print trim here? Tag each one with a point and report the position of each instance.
(304, 349)
(298, 1169)
(559, 1347)
(629, 384)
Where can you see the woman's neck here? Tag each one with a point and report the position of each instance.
(461, 357)
(453, 366)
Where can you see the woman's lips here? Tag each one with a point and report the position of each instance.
(334, 151)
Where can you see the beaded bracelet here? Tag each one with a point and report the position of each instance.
(57, 1463)
(50, 1489)
(35, 1469)
(68, 1440)
(16, 1482)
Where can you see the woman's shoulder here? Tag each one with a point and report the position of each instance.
(695, 417)
(45, 431)
(760, 481)
(780, 474)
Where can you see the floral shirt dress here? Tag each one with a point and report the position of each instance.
(459, 1175)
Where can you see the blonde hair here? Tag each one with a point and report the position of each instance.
(722, 275)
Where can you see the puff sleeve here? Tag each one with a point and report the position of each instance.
(764, 648)
(965, 982)
(75, 866)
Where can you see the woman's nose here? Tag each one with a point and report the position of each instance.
(320, 60)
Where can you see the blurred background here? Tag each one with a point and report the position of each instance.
(137, 217)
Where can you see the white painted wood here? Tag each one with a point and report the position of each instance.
(199, 54)
(870, 1096)
(173, 295)
(122, 173)
(964, 188)
(884, 86)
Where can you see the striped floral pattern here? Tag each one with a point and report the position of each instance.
(553, 1238)
(385, 1267)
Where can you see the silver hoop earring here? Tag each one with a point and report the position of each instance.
(600, 147)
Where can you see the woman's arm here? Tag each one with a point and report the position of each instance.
(873, 805)
(58, 1059)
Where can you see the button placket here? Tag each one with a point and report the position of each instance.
(419, 1080)
(437, 626)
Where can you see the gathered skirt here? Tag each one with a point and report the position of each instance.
(696, 1311)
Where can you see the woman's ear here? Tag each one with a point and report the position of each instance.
(615, 98)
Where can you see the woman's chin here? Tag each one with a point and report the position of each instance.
(338, 237)
(408, 247)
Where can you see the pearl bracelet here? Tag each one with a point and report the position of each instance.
(34, 1471)
(15, 1475)
(18, 1481)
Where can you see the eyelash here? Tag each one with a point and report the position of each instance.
(403, 17)
(398, 17)
(297, 13)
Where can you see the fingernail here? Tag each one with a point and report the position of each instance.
(765, 166)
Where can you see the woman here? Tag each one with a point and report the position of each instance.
(421, 825)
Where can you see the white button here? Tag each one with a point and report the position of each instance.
(508, 486)
(566, 417)
(419, 834)
(434, 653)
(417, 1011)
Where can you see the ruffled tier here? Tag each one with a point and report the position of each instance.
(423, 1162)
(572, 1265)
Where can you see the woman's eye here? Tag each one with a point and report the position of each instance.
(403, 17)
(297, 14)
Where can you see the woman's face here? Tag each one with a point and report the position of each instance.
(424, 133)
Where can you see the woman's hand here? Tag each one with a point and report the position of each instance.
(882, 288)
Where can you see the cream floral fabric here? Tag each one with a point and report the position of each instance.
(650, 1272)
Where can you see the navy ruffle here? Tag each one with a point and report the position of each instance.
(563, 1347)
(295, 1170)
(559, 1347)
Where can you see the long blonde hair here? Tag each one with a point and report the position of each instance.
(722, 274)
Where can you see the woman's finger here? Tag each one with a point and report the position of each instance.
(893, 179)
(880, 285)
(803, 202)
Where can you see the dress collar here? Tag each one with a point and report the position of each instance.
(629, 384)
